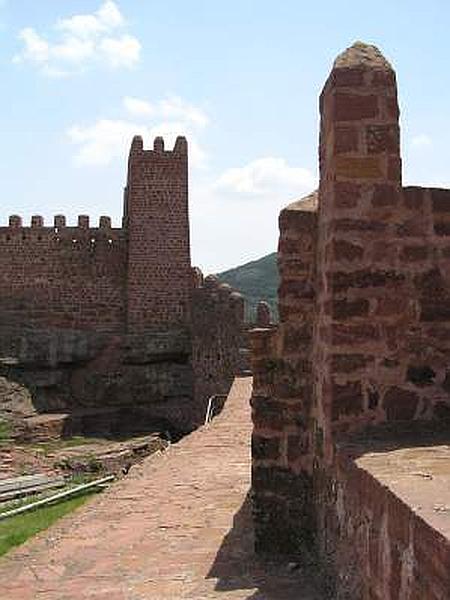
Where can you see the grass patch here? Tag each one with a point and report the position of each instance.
(16, 530)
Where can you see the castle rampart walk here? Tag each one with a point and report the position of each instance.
(179, 526)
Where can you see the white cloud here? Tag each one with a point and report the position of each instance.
(174, 107)
(171, 107)
(36, 48)
(83, 40)
(266, 176)
(119, 52)
(107, 18)
(421, 141)
(105, 140)
(137, 107)
(108, 139)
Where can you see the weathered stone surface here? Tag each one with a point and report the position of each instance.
(345, 140)
(383, 138)
(344, 250)
(344, 309)
(358, 168)
(400, 404)
(347, 399)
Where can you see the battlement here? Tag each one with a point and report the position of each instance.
(180, 148)
(59, 221)
(16, 233)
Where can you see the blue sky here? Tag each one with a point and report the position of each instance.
(240, 78)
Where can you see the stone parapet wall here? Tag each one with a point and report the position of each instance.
(217, 338)
(282, 392)
(378, 547)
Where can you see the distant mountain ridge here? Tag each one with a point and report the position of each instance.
(256, 280)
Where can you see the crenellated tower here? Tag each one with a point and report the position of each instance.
(157, 222)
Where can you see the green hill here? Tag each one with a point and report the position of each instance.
(256, 280)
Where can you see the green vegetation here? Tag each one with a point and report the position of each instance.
(16, 530)
(256, 280)
(5, 431)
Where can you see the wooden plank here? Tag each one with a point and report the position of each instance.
(27, 481)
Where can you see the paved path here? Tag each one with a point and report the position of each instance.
(177, 527)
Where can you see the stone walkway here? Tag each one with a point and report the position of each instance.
(179, 526)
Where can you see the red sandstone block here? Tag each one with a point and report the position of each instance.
(298, 336)
(359, 225)
(442, 228)
(351, 107)
(365, 278)
(354, 334)
(297, 446)
(385, 195)
(394, 168)
(267, 414)
(347, 399)
(297, 288)
(400, 404)
(391, 305)
(432, 309)
(440, 200)
(358, 167)
(383, 78)
(347, 309)
(383, 138)
(343, 250)
(346, 194)
(347, 77)
(392, 109)
(347, 363)
(413, 197)
(297, 221)
(431, 282)
(414, 227)
(265, 448)
(345, 139)
(414, 253)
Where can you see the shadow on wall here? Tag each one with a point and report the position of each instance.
(237, 568)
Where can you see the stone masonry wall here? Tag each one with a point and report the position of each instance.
(378, 546)
(282, 391)
(217, 338)
(363, 341)
(382, 349)
(66, 277)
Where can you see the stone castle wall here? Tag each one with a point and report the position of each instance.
(362, 348)
(67, 277)
(101, 318)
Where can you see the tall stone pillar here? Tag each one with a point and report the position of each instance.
(360, 179)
